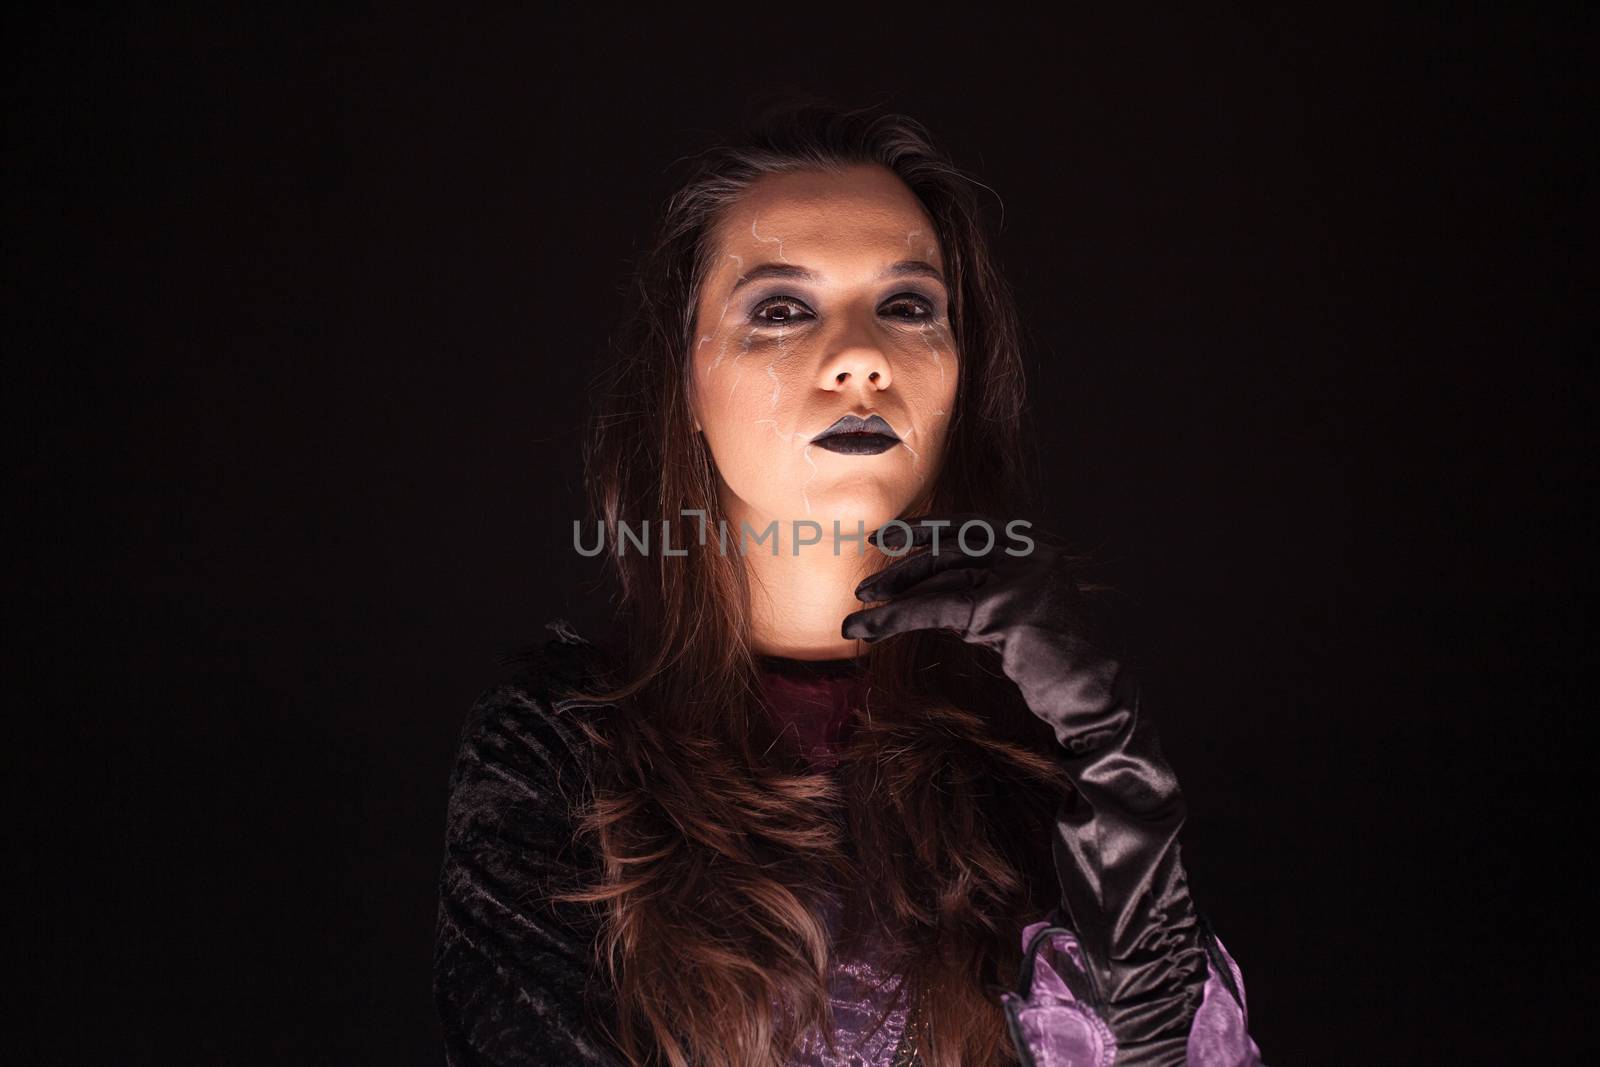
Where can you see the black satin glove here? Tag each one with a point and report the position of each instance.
(1115, 846)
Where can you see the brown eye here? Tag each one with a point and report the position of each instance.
(789, 311)
(910, 307)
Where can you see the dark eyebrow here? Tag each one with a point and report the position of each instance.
(905, 268)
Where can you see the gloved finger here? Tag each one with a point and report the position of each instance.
(943, 602)
(902, 574)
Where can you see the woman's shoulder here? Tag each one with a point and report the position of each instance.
(531, 720)
(513, 956)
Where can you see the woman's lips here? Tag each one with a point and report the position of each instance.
(852, 435)
(857, 444)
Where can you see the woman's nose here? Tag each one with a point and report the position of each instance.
(861, 365)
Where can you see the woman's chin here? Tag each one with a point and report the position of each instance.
(869, 505)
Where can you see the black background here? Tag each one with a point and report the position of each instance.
(306, 314)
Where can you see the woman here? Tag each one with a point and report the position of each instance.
(822, 797)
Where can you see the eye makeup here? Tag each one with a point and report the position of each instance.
(921, 308)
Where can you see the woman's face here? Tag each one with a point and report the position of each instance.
(826, 299)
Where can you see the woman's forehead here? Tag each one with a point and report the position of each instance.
(831, 224)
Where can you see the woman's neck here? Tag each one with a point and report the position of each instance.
(798, 601)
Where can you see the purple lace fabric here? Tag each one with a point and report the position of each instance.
(1059, 1030)
(867, 1022)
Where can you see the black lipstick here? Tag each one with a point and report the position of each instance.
(854, 436)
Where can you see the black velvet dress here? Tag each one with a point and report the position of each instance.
(512, 975)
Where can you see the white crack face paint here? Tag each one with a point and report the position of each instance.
(827, 297)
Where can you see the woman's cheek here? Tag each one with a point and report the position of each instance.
(930, 350)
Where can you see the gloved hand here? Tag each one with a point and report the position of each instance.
(1115, 845)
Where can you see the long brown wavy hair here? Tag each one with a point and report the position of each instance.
(718, 844)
